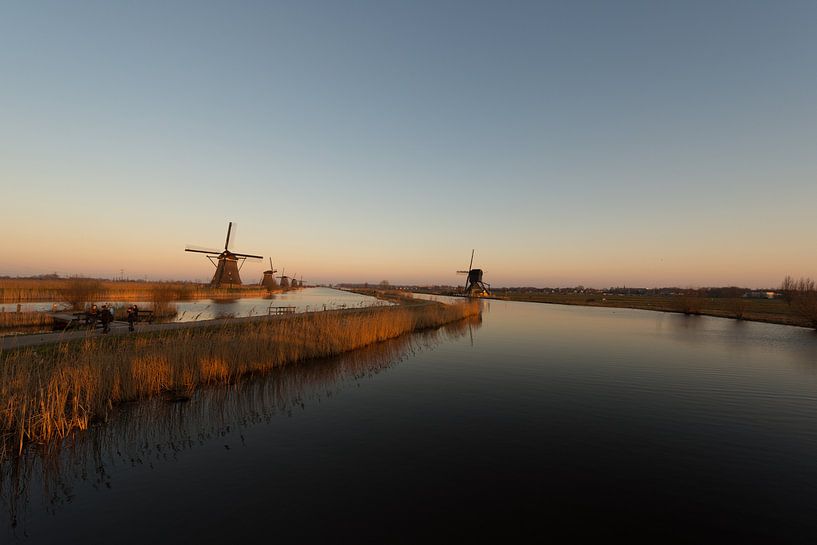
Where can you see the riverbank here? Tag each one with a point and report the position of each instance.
(52, 390)
(773, 311)
(754, 310)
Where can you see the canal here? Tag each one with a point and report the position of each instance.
(536, 422)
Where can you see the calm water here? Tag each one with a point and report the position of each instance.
(307, 299)
(541, 422)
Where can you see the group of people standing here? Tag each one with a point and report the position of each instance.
(105, 317)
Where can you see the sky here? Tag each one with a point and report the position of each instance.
(594, 143)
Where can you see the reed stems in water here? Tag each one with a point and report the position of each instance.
(50, 391)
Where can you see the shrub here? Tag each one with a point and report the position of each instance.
(78, 292)
(690, 302)
(162, 297)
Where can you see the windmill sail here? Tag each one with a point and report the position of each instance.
(474, 285)
(228, 264)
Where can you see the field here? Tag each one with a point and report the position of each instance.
(48, 392)
(801, 312)
(759, 310)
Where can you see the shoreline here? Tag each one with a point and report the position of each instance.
(659, 305)
(61, 386)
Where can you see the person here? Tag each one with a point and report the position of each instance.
(106, 317)
(131, 317)
(92, 316)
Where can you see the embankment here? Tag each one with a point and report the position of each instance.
(49, 391)
(773, 311)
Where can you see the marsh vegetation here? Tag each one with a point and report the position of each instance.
(50, 391)
(79, 291)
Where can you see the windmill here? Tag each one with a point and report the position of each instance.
(284, 280)
(227, 263)
(269, 277)
(474, 286)
(294, 282)
(297, 283)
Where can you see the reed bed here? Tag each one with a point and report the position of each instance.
(48, 392)
(83, 290)
(10, 320)
(152, 427)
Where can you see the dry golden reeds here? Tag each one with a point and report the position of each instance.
(14, 290)
(47, 392)
(78, 292)
(25, 319)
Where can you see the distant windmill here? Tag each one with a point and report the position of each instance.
(294, 282)
(474, 286)
(284, 280)
(269, 277)
(227, 263)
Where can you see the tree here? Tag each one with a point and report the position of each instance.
(788, 288)
(803, 298)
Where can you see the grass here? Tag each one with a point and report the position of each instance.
(12, 320)
(390, 295)
(759, 310)
(152, 427)
(48, 392)
(82, 290)
(776, 311)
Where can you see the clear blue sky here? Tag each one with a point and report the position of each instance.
(601, 143)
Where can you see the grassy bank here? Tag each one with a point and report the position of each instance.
(759, 310)
(775, 311)
(48, 392)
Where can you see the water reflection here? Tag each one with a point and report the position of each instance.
(304, 300)
(584, 422)
(144, 435)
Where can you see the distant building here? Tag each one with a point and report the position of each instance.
(760, 294)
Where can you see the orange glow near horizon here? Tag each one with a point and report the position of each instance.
(131, 251)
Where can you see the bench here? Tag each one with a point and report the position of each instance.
(80, 319)
(144, 316)
(278, 310)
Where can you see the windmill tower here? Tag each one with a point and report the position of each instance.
(284, 280)
(474, 286)
(227, 263)
(294, 283)
(269, 277)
